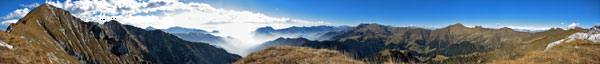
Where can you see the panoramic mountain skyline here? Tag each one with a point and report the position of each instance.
(300, 32)
(240, 19)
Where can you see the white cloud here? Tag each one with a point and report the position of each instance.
(169, 13)
(30, 5)
(573, 25)
(529, 28)
(8, 22)
(16, 14)
(12, 17)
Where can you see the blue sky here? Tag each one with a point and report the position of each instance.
(429, 12)
(531, 13)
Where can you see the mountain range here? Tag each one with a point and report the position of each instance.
(453, 44)
(48, 34)
(194, 35)
(311, 32)
(52, 33)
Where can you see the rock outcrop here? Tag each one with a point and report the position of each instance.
(595, 30)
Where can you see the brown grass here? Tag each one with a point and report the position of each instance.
(296, 55)
(576, 52)
(25, 52)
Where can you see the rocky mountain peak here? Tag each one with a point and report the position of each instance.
(478, 27)
(44, 14)
(555, 29)
(150, 28)
(371, 25)
(457, 25)
(505, 28)
(595, 30)
(265, 29)
(112, 23)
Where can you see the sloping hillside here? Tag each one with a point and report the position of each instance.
(296, 55)
(574, 52)
(16, 50)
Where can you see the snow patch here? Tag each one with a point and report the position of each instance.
(553, 44)
(594, 38)
(584, 36)
(3, 44)
(579, 36)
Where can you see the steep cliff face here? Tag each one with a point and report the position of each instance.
(73, 41)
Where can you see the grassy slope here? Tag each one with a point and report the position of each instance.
(26, 52)
(296, 55)
(575, 52)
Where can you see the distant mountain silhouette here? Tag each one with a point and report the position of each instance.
(201, 37)
(312, 32)
(194, 35)
(178, 29)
